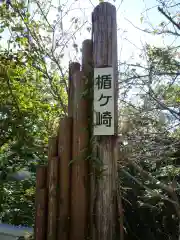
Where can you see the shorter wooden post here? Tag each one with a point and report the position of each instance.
(52, 201)
(52, 147)
(41, 203)
(65, 156)
(73, 67)
(79, 189)
(52, 188)
(87, 69)
(41, 177)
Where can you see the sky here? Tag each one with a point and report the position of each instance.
(130, 39)
(129, 16)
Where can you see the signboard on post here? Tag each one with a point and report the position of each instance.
(103, 101)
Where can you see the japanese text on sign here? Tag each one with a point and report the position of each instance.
(103, 101)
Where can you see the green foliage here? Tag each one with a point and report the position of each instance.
(32, 99)
(163, 59)
(150, 130)
(17, 202)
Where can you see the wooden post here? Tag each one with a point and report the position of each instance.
(87, 59)
(41, 203)
(65, 156)
(105, 55)
(52, 148)
(41, 177)
(52, 188)
(87, 69)
(73, 67)
(79, 190)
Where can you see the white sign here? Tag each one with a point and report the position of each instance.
(103, 101)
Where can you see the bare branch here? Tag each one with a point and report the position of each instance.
(169, 18)
(157, 32)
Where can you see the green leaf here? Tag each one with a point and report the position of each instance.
(1, 30)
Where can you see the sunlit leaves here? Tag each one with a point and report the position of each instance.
(28, 111)
(141, 19)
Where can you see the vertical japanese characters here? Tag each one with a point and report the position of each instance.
(103, 101)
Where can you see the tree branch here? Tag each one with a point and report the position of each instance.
(169, 18)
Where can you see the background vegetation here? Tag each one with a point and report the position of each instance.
(34, 95)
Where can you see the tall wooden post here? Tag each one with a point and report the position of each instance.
(105, 55)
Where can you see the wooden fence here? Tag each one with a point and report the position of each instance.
(65, 191)
(62, 186)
